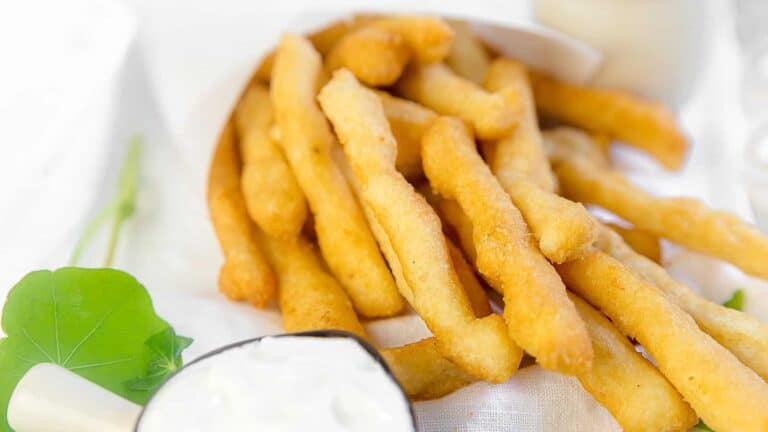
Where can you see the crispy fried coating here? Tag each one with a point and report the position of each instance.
(376, 56)
(346, 241)
(685, 221)
(539, 315)
(564, 142)
(437, 87)
(634, 392)
(245, 275)
(423, 372)
(309, 297)
(640, 241)
(743, 335)
(646, 125)
(564, 229)
(520, 154)
(272, 196)
(727, 395)
(408, 121)
(468, 57)
(469, 281)
(480, 346)
(429, 38)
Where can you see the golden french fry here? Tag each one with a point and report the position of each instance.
(468, 57)
(642, 242)
(245, 275)
(603, 142)
(309, 297)
(437, 87)
(272, 196)
(346, 241)
(323, 40)
(428, 38)
(685, 221)
(423, 372)
(480, 346)
(564, 229)
(565, 142)
(539, 316)
(635, 392)
(648, 126)
(727, 395)
(376, 56)
(520, 154)
(408, 121)
(743, 335)
(469, 281)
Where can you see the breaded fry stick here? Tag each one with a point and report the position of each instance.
(565, 142)
(727, 395)
(429, 38)
(538, 313)
(423, 372)
(743, 335)
(468, 57)
(311, 299)
(408, 121)
(345, 240)
(520, 154)
(640, 241)
(480, 346)
(272, 196)
(635, 392)
(469, 281)
(437, 87)
(564, 229)
(685, 221)
(648, 126)
(245, 274)
(323, 41)
(376, 56)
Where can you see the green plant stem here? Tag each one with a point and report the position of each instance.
(118, 210)
(90, 231)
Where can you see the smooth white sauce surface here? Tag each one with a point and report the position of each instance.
(282, 384)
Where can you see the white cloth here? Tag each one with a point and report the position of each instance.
(175, 87)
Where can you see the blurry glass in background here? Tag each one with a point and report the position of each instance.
(752, 32)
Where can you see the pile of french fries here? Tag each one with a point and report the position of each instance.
(387, 160)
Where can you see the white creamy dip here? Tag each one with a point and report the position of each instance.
(282, 384)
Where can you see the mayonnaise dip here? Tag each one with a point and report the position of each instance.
(289, 383)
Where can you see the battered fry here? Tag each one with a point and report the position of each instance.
(375, 56)
(638, 396)
(273, 198)
(564, 229)
(727, 395)
(245, 274)
(437, 87)
(743, 335)
(480, 346)
(539, 315)
(648, 126)
(685, 221)
(468, 57)
(408, 121)
(345, 240)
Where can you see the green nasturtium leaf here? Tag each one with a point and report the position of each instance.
(736, 301)
(166, 348)
(98, 323)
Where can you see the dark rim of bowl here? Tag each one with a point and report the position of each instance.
(373, 352)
